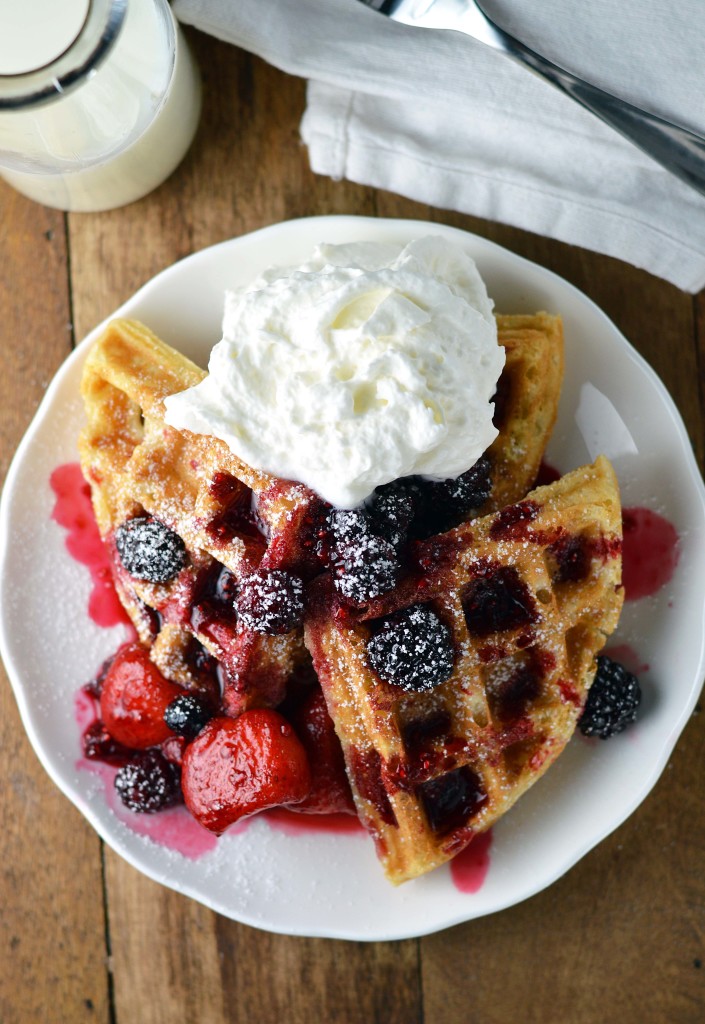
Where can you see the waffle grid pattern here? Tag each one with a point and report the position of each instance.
(430, 770)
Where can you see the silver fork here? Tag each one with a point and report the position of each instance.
(679, 150)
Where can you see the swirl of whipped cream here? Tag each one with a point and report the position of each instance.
(366, 363)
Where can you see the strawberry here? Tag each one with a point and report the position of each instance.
(134, 698)
(238, 766)
(330, 789)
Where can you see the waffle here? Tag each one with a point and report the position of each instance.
(526, 402)
(135, 464)
(529, 595)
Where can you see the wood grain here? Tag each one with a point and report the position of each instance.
(620, 937)
(52, 924)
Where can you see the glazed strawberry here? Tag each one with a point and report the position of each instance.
(238, 766)
(134, 697)
(330, 789)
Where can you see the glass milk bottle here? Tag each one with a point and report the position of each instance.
(99, 99)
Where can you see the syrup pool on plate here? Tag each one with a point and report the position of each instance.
(650, 552)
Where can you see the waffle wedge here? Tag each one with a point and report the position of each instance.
(135, 464)
(529, 596)
(526, 402)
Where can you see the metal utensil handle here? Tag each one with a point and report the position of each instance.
(678, 150)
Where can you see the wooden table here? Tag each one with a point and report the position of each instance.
(84, 936)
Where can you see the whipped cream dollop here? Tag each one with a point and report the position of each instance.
(366, 363)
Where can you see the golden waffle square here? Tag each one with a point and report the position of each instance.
(528, 596)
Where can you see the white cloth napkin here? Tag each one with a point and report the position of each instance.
(444, 120)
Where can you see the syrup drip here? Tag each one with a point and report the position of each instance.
(74, 512)
(469, 868)
(627, 656)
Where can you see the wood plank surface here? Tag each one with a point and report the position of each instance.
(52, 926)
(620, 937)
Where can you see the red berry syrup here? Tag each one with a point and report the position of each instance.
(469, 868)
(293, 823)
(73, 510)
(547, 474)
(649, 554)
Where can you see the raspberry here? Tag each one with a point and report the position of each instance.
(238, 766)
(148, 783)
(186, 715)
(364, 568)
(612, 700)
(173, 749)
(412, 650)
(270, 602)
(149, 550)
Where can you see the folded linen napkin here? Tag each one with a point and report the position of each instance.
(442, 119)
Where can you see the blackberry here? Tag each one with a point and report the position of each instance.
(346, 524)
(148, 783)
(270, 602)
(186, 716)
(392, 512)
(446, 503)
(612, 700)
(149, 550)
(364, 568)
(470, 490)
(412, 650)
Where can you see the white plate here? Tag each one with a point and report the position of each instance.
(331, 885)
